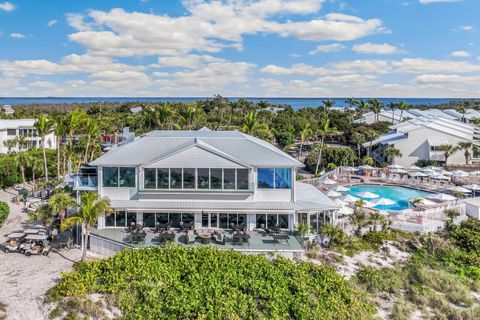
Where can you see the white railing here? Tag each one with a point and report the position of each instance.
(318, 180)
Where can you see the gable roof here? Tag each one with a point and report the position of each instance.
(234, 145)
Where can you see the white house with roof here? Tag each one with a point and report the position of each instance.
(22, 128)
(211, 178)
(421, 138)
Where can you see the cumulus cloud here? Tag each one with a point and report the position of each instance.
(375, 48)
(17, 35)
(6, 6)
(326, 48)
(460, 54)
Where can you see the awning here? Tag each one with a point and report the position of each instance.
(437, 142)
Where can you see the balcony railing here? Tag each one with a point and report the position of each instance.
(85, 182)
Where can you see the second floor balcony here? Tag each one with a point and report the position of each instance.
(85, 182)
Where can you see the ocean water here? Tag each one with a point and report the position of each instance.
(296, 103)
(400, 195)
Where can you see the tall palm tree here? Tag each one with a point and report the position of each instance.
(189, 116)
(89, 210)
(60, 129)
(375, 219)
(327, 105)
(165, 117)
(252, 126)
(465, 146)
(447, 150)
(324, 130)
(402, 106)
(391, 153)
(371, 135)
(335, 234)
(360, 218)
(22, 160)
(44, 127)
(60, 202)
(392, 107)
(92, 130)
(43, 214)
(351, 102)
(73, 123)
(35, 163)
(305, 134)
(462, 110)
(362, 106)
(358, 139)
(376, 108)
(149, 118)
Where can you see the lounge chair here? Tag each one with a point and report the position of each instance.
(190, 236)
(218, 237)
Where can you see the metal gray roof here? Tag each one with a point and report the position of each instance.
(160, 144)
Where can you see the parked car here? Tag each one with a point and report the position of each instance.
(14, 242)
(36, 244)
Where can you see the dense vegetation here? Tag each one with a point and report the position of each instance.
(4, 212)
(206, 283)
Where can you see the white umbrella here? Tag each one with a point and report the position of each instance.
(417, 174)
(428, 171)
(346, 211)
(398, 171)
(366, 167)
(426, 202)
(328, 181)
(368, 204)
(333, 194)
(414, 168)
(438, 176)
(349, 198)
(441, 197)
(349, 169)
(368, 195)
(395, 166)
(460, 173)
(340, 189)
(445, 173)
(383, 202)
(433, 168)
(460, 189)
(340, 202)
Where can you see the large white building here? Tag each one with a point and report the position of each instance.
(421, 138)
(396, 116)
(15, 129)
(210, 178)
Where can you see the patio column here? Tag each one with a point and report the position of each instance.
(197, 220)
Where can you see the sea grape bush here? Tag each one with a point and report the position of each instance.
(207, 283)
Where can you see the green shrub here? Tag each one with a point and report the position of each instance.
(379, 280)
(207, 283)
(338, 156)
(4, 212)
(376, 238)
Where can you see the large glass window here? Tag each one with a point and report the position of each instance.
(127, 177)
(261, 221)
(216, 178)
(149, 178)
(242, 179)
(283, 178)
(188, 178)
(110, 176)
(175, 219)
(266, 178)
(176, 178)
(283, 221)
(120, 219)
(110, 220)
(162, 218)
(162, 178)
(149, 219)
(214, 220)
(224, 221)
(131, 218)
(188, 217)
(203, 178)
(229, 179)
(205, 220)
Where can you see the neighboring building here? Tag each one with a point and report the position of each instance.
(421, 138)
(15, 129)
(472, 207)
(7, 109)
(212, 178)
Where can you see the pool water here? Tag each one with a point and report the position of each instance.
(400, 195)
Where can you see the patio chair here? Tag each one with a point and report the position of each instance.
(190, 237)
(219, 237)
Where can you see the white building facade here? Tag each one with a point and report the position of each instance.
(23, 129)
(214, 179)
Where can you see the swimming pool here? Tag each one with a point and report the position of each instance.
(400, 195)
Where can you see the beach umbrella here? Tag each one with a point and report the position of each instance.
(366, 167)
(395, 166)
(333, 194)
(368, 204)
(445, 173)
(414, 168)
(368, 195)
(438, 176)
(460, 189)
(349, 198)
(347, 211)
(398, 171)
(349, 169)
(433, 168)
(460, 173)
(328, 181)
(383, 202)
(340, 202)
(441, 197)
(340, 189)
(417, 174)
(428, 171)
(426, 202)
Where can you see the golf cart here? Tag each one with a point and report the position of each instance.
(14, 242)
(36, 244)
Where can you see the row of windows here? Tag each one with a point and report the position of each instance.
(201, 178)
(119, 177)
(274, 178)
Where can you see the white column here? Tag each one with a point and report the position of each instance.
(198, 220)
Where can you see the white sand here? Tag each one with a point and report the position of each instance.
(25, 280)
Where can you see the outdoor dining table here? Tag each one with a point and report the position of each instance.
(205, 237)
(186, 226)
(238, 227)
(239, 237)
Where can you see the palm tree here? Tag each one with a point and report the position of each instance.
(376, 218)
(253, 127)
(447, 150)
(371, 135)
(44, 126)
(335, 235)
(22, 160)
(362, 106)
(476, 121)
(305, 134)
(327, 105)
(89, 210)
(189, 116)
(462, 111)
(35, 163)
(392, 153)
(402, 106)
(351, 102)
(165, 117)
(359, 219)
(43, 214)
(59, 131)
(324, 130)
(92, 129)
(21, 142)
(392, 107)
(376, 107)
(466, 146)
(10, 144)
(74, 121)
(60, 203)
(149, 118)
(358, 139)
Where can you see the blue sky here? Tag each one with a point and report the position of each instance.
(263, 48)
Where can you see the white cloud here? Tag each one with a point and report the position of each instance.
(460, 54)
(437, 1)
(77, 22)
(420, 65)
(7, 6)
(334, 47)
(447, 79)
(51, 23)
(17, 35)
(375, 48)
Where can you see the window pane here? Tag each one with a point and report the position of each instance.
(261, 221)
(314, 223)
(176, 178)
(11, 132)
(120, 219)
(188, 217)
(110, 176)
(242, 218)
(283, 178)
(205, 220)
(149, 178)
(216, 178)
(213, 220)
(175, 220)
(229, 179)
(203, 178)
(110, 220)
(265, 178)
(271, 220)
(223, 221)
(127, 177)
(149, 219)
(131, 218)
(162, 178)
(233, 219)
(242, 179)
(283, 221)
(188, 178)
(162, 218)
